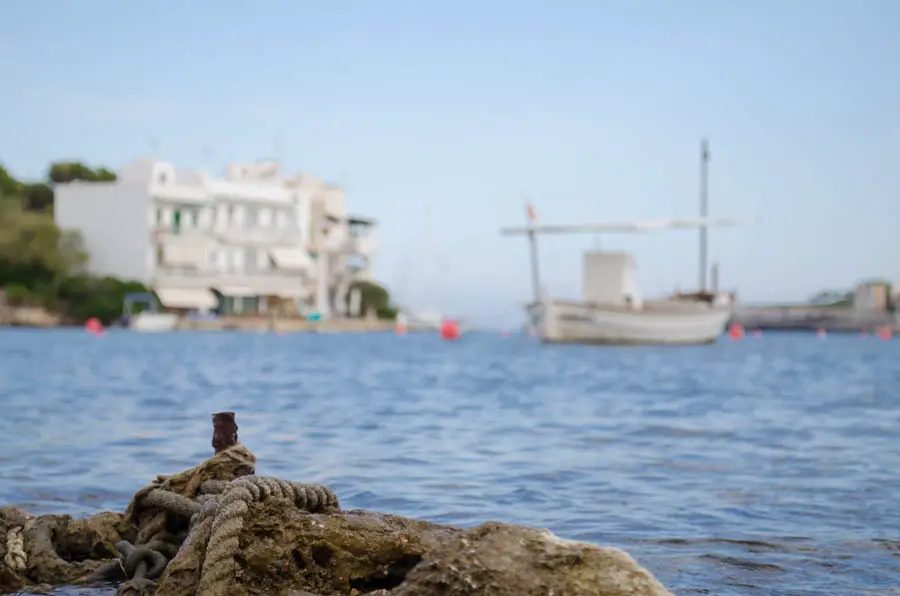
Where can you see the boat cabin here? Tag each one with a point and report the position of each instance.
(610, 278)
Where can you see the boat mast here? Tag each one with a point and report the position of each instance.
(531, 216)
(428, 258)
(704, 208)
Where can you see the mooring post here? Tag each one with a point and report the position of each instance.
(225, 431)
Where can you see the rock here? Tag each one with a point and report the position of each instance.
(284, 549)
(58, 550)
(62, 550)
(497, 559)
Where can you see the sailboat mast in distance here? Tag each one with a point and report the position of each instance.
(428, 277)
(704, 209)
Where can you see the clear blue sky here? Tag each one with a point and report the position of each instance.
(593, 108)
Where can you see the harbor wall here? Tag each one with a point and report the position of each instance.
(806, 318)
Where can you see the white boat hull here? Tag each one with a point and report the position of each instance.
(655, 323)
(146, 321)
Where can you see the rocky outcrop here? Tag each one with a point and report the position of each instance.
(54, 550)
(282, 549)
(497, 559)
(286, 551)
(219, 529)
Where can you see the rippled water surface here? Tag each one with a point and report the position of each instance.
(767, 466)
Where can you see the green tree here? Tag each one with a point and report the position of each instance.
(9, 186)
(67, 171)
(40, 264)
(37, 197)
(373, 297)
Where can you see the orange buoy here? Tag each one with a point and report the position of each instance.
(885, 333)
(93, 325)
(821, 333)
(450, 330)
(736, 331)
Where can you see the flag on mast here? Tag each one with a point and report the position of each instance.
(530, 211)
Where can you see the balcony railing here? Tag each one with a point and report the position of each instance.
(259, 282)
(261, 236)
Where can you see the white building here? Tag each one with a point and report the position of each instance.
(254, 241)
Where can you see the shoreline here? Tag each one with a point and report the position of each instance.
(37, 318)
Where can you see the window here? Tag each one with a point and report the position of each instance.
(176, 221)
(252, 217)
(195, 218)
(251, 259)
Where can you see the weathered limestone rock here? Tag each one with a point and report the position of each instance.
(284, 549)
(56, 549)
(498, 559)
(286, 552)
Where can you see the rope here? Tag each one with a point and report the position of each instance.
(15, 558)
(188, 529)
(170, 502)
(219, 564)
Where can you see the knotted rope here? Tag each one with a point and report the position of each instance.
(186, 530)
(228, 515)
(162, 511)
(194, 519)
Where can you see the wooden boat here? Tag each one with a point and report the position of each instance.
(612, 310)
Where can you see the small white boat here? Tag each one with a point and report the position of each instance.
(150, 319)
(661, 322)
(612, 311)
(153, 321)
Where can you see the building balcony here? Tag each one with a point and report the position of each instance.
(258, 236)
(228, 283)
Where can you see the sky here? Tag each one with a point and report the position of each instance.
(593, 110)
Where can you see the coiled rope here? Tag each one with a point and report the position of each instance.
(217, 517)
(187, 525)
(228, 521)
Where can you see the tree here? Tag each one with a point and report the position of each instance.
(38, 197)
(67, 171)
(9, 186)
(40, 264)
(373, 297)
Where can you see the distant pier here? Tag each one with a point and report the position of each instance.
(811, 318)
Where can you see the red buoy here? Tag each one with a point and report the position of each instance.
(885, 333)
(450, 330)
(93, 325)
(736, 331)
